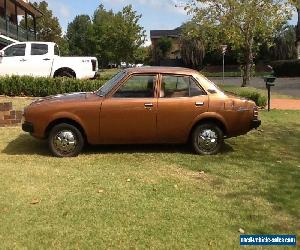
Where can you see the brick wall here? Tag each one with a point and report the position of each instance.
(8, 116)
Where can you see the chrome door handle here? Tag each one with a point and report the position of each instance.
(199, 104)
(46, 59)
(23, 60)
(148, 105)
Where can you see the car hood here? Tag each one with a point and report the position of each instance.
(63, 97)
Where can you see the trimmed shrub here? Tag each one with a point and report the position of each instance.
(288, 68)
(248, 92)
(260, 100)
(40, 87)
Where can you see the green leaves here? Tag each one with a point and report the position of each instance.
(243, 25)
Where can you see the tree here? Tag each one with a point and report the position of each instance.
(142, 55)
(164, 45)
(283, 47)
(47, 27)
(193, 45)
(116, 36)
(79, 36)
(296, 4)
(245, 24)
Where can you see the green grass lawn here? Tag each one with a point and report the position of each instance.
(159, 197)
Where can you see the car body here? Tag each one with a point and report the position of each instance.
(42, 59)
(145, 105)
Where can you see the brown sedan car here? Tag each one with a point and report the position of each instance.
(142, 106)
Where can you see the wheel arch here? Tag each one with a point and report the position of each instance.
(210, 119)
(67, 121)
(63, 69)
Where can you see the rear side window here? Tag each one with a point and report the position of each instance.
(15, 50)
(39, 49)
(179, 86)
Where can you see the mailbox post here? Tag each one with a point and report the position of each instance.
(269, 80)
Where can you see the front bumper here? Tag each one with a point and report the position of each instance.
(255, 124)
(28, 127)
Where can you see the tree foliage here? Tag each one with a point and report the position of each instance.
(116, 36)
(79, 36)
(244, 25)
(193, 45)
(47, 27)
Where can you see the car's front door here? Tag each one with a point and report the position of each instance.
(129, 114)
(181, 100)
(13, 61)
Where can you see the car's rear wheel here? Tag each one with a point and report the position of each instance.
(207, 139)
(65, 140)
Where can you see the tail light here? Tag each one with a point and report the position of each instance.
(255, 112)
(94, 65)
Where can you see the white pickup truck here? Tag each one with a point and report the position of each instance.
(43, 59)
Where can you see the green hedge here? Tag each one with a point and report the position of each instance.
(247, 92)
(260, 100)
(287, 68)
(40, 87)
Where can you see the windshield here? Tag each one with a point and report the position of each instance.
(107, 87)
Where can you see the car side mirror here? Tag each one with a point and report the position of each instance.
(1, 53)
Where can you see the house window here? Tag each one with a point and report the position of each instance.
(15, 50)
(39, 49)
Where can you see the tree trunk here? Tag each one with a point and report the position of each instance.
(298, 34)
(247, 66)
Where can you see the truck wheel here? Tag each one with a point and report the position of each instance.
(65, 140)
(207, 139)
(65, 73)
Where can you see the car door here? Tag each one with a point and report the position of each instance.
(39, 61)
(12, 63)
(181, 100)
(128, 115)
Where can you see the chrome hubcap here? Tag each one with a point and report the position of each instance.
(65, 141)
(207, 139)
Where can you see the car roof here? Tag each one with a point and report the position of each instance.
(161, 70)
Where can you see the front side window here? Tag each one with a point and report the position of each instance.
(179, 86)
(15, 50)
(138, 86)
(39, 49)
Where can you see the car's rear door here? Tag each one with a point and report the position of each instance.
(129, 114)
(181, 100)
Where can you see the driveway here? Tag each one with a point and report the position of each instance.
(285, 86)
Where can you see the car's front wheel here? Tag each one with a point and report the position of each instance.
(207, 139)
(65, 140)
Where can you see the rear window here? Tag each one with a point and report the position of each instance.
(39, 49)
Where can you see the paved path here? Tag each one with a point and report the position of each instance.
(285, 104)
(284, 86)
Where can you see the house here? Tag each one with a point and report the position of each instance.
(11, 14)
(173, 58)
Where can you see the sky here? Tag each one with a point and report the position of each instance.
(156, 14)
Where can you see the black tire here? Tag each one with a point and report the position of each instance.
(211, 141)
(65, 140)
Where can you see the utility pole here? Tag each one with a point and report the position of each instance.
(224, 49)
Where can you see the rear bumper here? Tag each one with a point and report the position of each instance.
(255, 124)
(28, 127)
